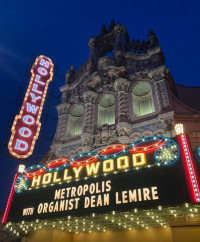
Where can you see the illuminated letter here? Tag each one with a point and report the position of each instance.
(122, 162)
(139, 159)
(51, 207)
(55, 178)
(19, 143)
(108, 165)
(146, 194)
(56, 207)
(62, 193)
(77, 171)
(117, 198)
(31, 108)
(87, 202)
(92, 188)
(34, 88)
(108, 185)
(154, 193)
(36, 181)
(46, 178)
(45, 206)
(76, 202)
(66, 204)
(79, 190)
(25, 132)
(62, 205)
(132, 196)
(44, 63)
(57, 194)
(139, 195)
(68, 189)
(93, 168)
(99, 201)
(106, 199)
(34, 97)
(66, 177)
(124, 197)
(92, 199)
(73, 192)
(37, 79)
(28, 119)
(40, 207)
(85, 189)
(42, 71)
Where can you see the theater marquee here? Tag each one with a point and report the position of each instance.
(150, 172)
(26, 126)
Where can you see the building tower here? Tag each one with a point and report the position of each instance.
(122, 93)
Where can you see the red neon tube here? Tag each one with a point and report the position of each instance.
(190, 170)
(4, 219)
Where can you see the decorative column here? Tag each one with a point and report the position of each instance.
(87, 135)
(61, 129)
(119, 44)
(62, 121)
(162, 94)
(93, 56)
(121, 86)
(70, 76)
(161, 90)
(159, 77)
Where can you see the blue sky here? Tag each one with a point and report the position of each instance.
(61, 30)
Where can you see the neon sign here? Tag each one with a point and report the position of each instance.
(152, 171)
(146, 152)
(26, 126)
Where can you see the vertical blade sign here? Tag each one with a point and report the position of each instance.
(26, 126)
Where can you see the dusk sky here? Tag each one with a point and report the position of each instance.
(61, 30)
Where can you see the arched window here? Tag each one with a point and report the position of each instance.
(75, 119)
(106, 110)
(142, 99)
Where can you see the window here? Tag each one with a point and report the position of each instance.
(75, 120)
(74, 125)
(106, 110)
(142, 99)
(106, 115)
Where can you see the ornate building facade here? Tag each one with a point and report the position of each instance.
(122, 93)
(87, 188)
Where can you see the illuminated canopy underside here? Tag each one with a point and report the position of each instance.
(159, 217)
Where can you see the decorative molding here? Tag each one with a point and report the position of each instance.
(62, 108)
(158, 73)
(105, 62)
(123, 129)
(116, 72)
(121, 84)
(162, 94)
(135, 135)
(106, 134)
(87, 139)
(89, 97)
(93, 80)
